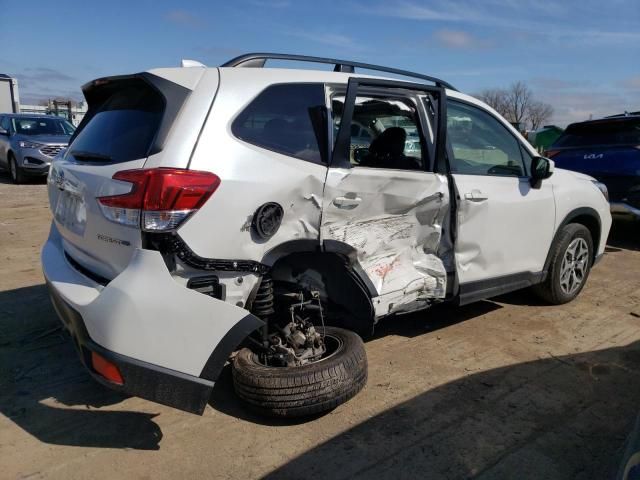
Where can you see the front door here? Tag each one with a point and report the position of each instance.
(4, 141)
(505, 226)
(383, 205)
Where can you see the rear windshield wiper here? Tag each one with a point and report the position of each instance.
(84, 155)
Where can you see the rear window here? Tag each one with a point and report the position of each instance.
(615, 132)
(284, 119)
(123, 126)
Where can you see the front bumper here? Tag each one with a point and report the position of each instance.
(169, 342)
(624, 209)
(33, 162)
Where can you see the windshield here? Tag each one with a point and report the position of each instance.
(42, 126)
(614, 132)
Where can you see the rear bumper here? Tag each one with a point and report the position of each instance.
(141, 379)
(624, 209)
(169, 342)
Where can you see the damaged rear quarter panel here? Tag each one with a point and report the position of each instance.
(250, 177)
(396, 230)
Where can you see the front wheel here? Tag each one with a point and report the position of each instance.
(17, 176)
(308, 389)
(571, 258)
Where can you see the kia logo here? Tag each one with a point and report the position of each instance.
(593, 156)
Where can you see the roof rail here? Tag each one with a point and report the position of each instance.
(258, 60)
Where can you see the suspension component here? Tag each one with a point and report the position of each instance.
(263, 303)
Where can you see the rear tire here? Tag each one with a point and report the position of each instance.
(306, 390)
(17, 176)
(571, 259)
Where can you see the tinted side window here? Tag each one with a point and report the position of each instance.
(481, 144)
(5, 123)
(284, 118)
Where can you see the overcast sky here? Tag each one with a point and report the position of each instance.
(583, 57)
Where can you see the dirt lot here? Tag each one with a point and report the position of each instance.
(500, 389)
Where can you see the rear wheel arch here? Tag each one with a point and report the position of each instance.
(229, 343)
(336, 278)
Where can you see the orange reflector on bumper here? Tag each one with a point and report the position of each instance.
(107, 369)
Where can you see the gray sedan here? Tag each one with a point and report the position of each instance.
(28, 143)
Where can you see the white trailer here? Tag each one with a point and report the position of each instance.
(9, 98)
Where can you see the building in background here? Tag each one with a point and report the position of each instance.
(9, 98)
(10, 103)
(67, 109)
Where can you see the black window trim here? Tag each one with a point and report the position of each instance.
(324, 160)
(526, 176)
(428, 161)
(393, 88)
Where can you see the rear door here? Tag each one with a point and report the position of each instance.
(383, 204)
(128, 121)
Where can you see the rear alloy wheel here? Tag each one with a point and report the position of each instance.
(312, 388)
(17, 176)
(571, 258)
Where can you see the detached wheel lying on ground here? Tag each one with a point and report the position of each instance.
(571, 258)
(307, 389)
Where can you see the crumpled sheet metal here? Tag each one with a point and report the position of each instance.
(397, 250)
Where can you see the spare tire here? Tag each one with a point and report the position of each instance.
(308, 389)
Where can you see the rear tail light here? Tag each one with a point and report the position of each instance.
(160, 198)
(551, 153)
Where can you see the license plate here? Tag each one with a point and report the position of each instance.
(71, 212)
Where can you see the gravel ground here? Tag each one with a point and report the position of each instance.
(507, 388)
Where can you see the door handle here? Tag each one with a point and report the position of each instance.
(475, 196)
(347, 202)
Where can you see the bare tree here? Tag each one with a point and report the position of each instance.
(517, 105)
(519, 98)
(496, 98)
(539, 113)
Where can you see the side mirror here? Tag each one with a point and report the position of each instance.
(541, 169)
(4, 132)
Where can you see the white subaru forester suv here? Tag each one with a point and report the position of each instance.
(270, 217)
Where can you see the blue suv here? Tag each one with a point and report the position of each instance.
(607, 149)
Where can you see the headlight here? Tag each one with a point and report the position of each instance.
(603, 188)
(26, 144)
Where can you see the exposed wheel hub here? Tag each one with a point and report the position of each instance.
(298, 342)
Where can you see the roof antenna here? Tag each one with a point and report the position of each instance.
(185, 63)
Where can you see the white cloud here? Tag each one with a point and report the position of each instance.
(326, 38)
(183, 18)
(271, 3)
(514, 15)
(459, 39)
(582, 105)
(632, 83)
